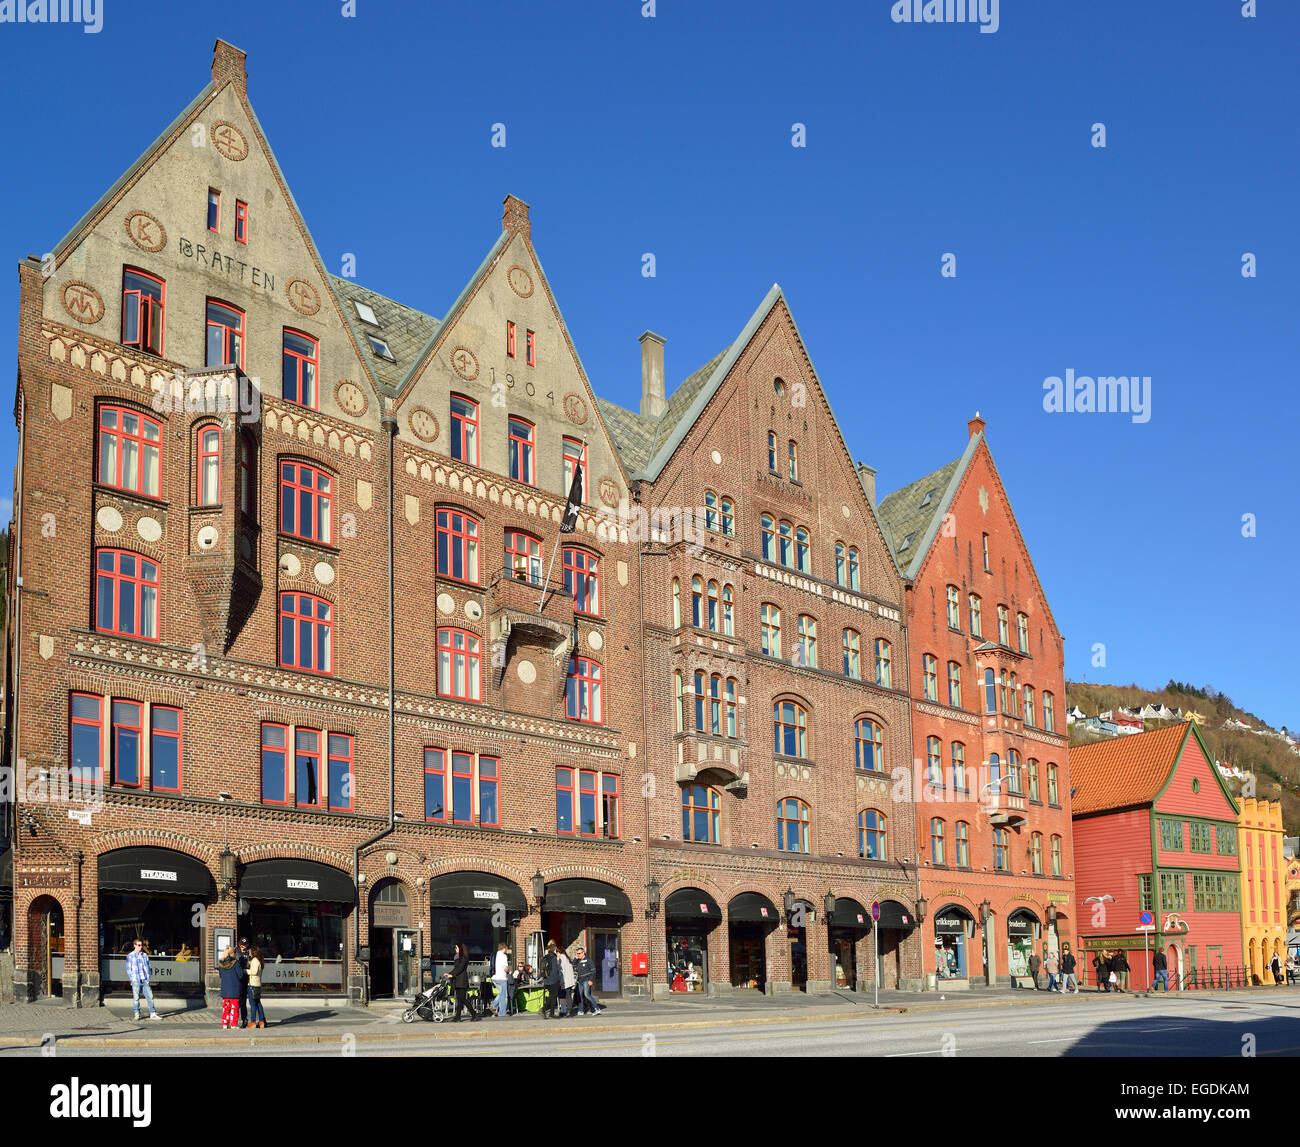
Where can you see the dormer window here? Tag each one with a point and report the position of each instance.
(365, 313)
(380, 347)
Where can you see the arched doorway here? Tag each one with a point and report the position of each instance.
(751, 918)
(1254, 961)
(1174, 958)
(691, 916)
(45, 939)
(394, 944)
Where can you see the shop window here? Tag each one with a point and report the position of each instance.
(129, 451)
(126, 742)
(306, 502)
(143, 304)
(790, 729)
(301, 363)
(792, 819)
(869, 740)
(582, 581)
(701, 815)
(582, 691)
(275, 779)
(225, 335)
(306, 633)
(871, 835)
(126, 594)
(464, 430)
(459, 665)
(165, 749)
(458, 539)
(209, 469)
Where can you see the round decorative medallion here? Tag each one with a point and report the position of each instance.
(423, 424)
(844, 509)
(351, 398)
(473, 610)
(446, 603)
(302, 296)
(717, 457)
(575, 408)
(323, 572)
(151, 530)
(82, 302)
(594, 639)
(780, 770)
(608, 490)
(145, 231)
(521, 282)
(207, 537)
(464, 363)
(291, 565)
(109, 519)
(527, 672)
(229, 141)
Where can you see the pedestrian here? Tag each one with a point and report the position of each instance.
(1160, 965)
(1035, 966)
(459, 977)
(232, 987)
(570, 983)
(1068, 978)
(1102, 966)
(501, 981)
(243, 977)
(1277, 970)
(585, 971)
(256, 1013)
(552, 978)
(138, 971)
(1121, 970)
(1053, 967)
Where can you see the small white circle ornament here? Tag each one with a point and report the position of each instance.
(717, 457)
(151, 529)
(446, 603)
(109, 518)
(324, 573)
(846, 511)
(594, 639)
(473, 610)
(527, 672)
(207, 537)
(291, 565)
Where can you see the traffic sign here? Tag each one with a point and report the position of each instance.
(1146, 928)
(875, 910)
(1147, 918)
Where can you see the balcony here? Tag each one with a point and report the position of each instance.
(513, 599)
(711, 760)
(1003, 807)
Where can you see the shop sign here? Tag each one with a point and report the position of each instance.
(391, 916)
(327, 973)
(1020, 928)
(1095, 943)
(598, 901)
(306, 885)
(949, 925)
(162, 970)
(481, 894)
(157, 874)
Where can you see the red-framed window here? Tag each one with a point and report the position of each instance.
(609, 805)
(130, 451)
(462, 788)
(789, 729)
(587, 802)
(144, 299)
(524, 556)
(575, 453)
(275, 756)
(241, 221)
(305, 502)
(522, 434)
(510, 339)
(1001, 850)
(165, 749)
(582, 691)
(306, 633)
(214, 210)
(872, 830)
(701, 815)
(489, 791)
(225, 335)
(530, 348)
(126, 742)
(209, 476)
(435, 784)
(340, 778)
(792, 825)
(126, 594)
(459, 665)
(458, 536)
(85, 738)
(248, 473)
(300, 369)
(564, 801)
(464, 429)
(307, 768)
(582, 580)
(869, 743)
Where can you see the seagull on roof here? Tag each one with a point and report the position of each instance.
(1099, 899)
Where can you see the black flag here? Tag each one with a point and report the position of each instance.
(571, 507)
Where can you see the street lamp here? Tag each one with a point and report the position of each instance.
(539, 888)
(652, 899)
(921, 905)
(829, 904)
(227, 859)
(789, 901)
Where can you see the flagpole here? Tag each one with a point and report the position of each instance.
(578, 470)
(547, 583)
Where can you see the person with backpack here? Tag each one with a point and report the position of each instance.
(1160, 965)
(585, 971)
(1068, 978)
(570, 993)
(552, 979)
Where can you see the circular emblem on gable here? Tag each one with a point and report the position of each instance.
(464, 363)
(575, 408)
(423, 424)
(109, 518)
(323, 572)
(351, 398)
(302, 296)
(229, 141)
(521, 282)
(609, 492)
(145, 231)
(446, 604)
(82, 302)
(151, 530)
(595, 641)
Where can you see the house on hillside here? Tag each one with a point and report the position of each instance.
(1074, 713)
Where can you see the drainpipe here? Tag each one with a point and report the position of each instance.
(640, 597)
(78, 858)
(389, 424)
(15, 648)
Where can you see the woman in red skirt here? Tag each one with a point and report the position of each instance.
(231, 988)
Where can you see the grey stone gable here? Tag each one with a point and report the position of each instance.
(405, 330)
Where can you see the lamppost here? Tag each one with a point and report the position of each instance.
(990, 968)
(652, 891)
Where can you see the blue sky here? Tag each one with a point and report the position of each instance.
(672, 135)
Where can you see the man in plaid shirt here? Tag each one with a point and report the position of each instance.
(138, 971)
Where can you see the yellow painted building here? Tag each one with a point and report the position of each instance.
(1263, 886)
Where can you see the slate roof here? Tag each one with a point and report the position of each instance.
(634, 436)
(405, 330)
(903, 516)
(1124, 772)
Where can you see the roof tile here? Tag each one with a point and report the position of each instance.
(1123, 772)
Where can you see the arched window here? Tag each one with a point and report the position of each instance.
(697, 602)
(126, 594)
(1001, 850)
(954, 684)
(1004, 632)
(209, 490)
(852, 654)
(869, 745)
(729, 724)
(1032, 768)
(129, 450)
(679, 700)
(459, 665)
(958, 765)
(458, 538)
(1029, 704)
(975, 616)
(841, 564)
(962, 837)
(853, 567)
(1015, 783)
(789, 729)
(728, 516)
(701, 815)
(524, 557)
(871, 835)
(883, 674)
(806, 651)
(786, 532)
(701, 719)
(771, 452)
(770, 629)
(937, 841)
(995, 772)
(1056, 856)
(934, 761)
(306, 633)
(714, 620)
(990, 692)
(728, 611)
(1006, 700)
(792, 825)
(954, 608)
(803, 550)
(1053, 795)
(677, 603)
(930, 676)
(582, 580)
(306, 502)
(710, 510)
(1022, 632)
(1049, 713)
(769, 537)
(582, 691)
(1036, 854)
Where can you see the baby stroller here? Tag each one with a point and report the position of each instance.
(434, 1004)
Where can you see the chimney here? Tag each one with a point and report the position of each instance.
(976, 425)
(514, 217)
(653, 396)
(867, 474)
(228, 64)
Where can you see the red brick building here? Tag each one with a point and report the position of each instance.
(1155, 829)
(991, 775)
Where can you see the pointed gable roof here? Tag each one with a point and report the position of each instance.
(1127, 772)
(405, 330)
(905, 515)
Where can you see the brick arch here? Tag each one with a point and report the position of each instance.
(705, 883)
(277, 851)
(150, 837)
(744, 886)
(570, 871)
(481, 864)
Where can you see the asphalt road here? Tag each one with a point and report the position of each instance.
(1161, 1027)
